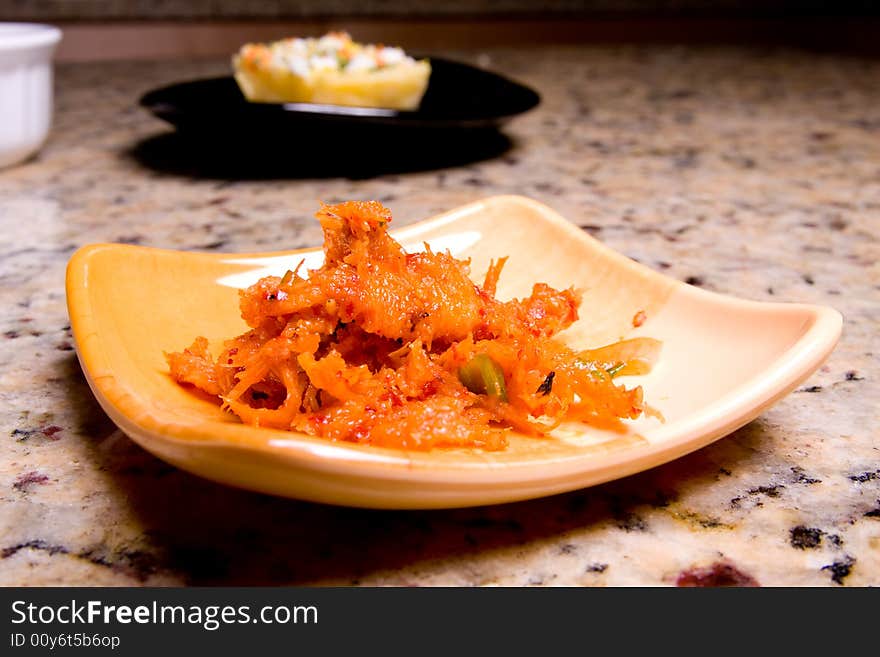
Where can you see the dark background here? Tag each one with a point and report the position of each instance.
(58, 10)
(155, 29)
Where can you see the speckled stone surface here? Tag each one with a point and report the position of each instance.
(753, 173)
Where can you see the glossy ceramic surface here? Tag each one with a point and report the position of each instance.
(458, 96)
(723, 361)
(25, 88)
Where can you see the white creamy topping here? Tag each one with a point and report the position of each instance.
(391, 56)
(323, 62)
(333, 52)
(360, 62)
(330, 43)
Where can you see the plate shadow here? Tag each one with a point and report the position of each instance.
(354, 153)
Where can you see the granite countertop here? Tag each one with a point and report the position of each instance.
(749, 172)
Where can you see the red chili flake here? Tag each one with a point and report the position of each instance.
(720, 573)
(319, 419)
(28, 478)
(361, 432)
(394, 397)
(639, 318)
(50, 432)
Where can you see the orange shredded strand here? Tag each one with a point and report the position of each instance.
(368, 348)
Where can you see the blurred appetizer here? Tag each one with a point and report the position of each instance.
(331, 70)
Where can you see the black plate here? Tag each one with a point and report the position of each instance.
(458, 96)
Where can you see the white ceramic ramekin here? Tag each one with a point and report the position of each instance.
(25, 88)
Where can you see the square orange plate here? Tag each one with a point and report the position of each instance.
(723, 361)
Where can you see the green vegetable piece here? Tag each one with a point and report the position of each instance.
(483, 376)
(614, 369)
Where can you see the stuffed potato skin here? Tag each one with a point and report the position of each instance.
(332, 70)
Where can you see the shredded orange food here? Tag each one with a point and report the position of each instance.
(403, 350)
